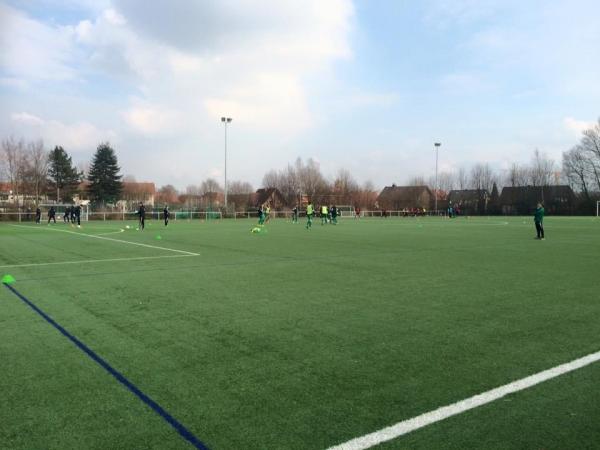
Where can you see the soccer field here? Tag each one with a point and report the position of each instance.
(298, 339)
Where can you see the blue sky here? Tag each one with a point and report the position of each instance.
(363, 85)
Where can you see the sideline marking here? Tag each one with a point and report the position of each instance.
(110, 239)
(88, 261)
(182, 430)
(406, 426)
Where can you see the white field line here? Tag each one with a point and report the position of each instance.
(89, 261)
(406, 426)
(110, 232)
(110, 239)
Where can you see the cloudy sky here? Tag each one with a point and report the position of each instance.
(368, 85)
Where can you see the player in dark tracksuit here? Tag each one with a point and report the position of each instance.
(51, 215)
(67, 214)
(76, 210)
(142, 216)
(538, 218)
(166, 215)
(334, 214)
(38, 215)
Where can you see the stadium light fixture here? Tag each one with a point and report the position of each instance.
(225, 121)
(437, 145)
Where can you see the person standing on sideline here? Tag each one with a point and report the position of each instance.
(51, 215)
(76, 211)
(166, 215)
(142, 216)
(38, 215)
(295, 214)
(538, 218)
(310, 210)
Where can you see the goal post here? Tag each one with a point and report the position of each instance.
(597, 208)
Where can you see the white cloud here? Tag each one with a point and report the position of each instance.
(577, 126)
(152, 119)
(32, 50)
(78, 136)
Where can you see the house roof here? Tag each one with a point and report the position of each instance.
(403, 192)
(466, 195)
(263, 195)
(532, 194)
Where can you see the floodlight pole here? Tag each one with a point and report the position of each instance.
(225, 121)
(437, 146)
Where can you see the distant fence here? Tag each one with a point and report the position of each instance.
(209, 215)
(114, 215)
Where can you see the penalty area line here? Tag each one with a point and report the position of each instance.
(90, 261)
(139, 244)
(431, 417)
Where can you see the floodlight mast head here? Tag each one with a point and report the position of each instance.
(438, 144)
(226, 119)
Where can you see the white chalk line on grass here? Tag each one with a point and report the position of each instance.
(110, 239)
(110, 232)
(88, 261)
(406, 426)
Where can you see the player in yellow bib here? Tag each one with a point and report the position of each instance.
(310, 211)
(324, 214)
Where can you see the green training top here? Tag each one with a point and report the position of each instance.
(309, 209)
(539, 215)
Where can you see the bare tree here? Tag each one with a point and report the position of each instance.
(240, 187)
(344, 186)
(542, 169)
(482, 177)
(462, 179)
(576, 169)
(312, 182)
(446, 181)
(271, 179)
(14, 164)
(37, 168)
(168, 194)
(517, 176)
(417, 181)
(210, 185)
(192, 197)
(366, 196)
(590, 144)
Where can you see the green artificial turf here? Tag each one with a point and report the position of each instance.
(296, 339)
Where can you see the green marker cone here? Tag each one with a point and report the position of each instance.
(158, 237)
(8, 279)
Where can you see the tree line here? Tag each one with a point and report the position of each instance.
(34, 173)
(31, 170)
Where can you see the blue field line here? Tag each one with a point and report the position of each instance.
(182, 430)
